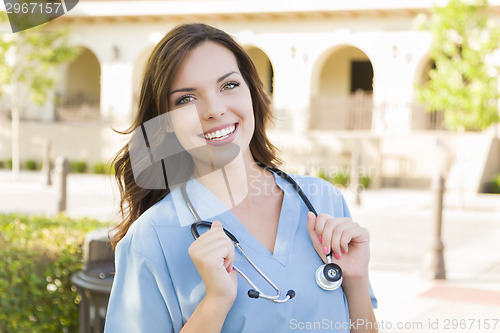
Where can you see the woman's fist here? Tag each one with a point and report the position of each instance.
(349, 243)
(213, 255)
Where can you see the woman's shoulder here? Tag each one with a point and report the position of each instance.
(144, 235)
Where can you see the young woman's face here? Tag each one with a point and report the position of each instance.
(210, 103)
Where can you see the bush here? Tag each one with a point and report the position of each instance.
(8, 163)
(103, 168)
(343, 179)
(78, 166)
(495, 184)
(39, 254)
(31, 165)
(365, 181)
(2, 164)
(99, 168)
(340, 179)
(322, 174)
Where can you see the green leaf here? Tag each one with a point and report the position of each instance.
(464, 83)
(38, 52)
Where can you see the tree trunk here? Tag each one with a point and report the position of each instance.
(15, 139)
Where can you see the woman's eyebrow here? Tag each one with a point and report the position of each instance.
(193, 89)
(181, 90)
(225, 75)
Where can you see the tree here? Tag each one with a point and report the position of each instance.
(30, 59)
(464, 82)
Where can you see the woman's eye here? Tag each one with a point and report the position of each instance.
(184, 100)
(230, 85)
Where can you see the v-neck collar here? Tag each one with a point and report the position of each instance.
(211, 208)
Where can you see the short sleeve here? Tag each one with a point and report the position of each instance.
(373, 298)
(138, 299)
(347, 212)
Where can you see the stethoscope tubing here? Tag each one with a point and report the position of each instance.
(236, 243)
(255, 291)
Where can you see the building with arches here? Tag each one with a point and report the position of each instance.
(341, 77)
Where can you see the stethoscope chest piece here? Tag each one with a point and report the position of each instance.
(329, 276)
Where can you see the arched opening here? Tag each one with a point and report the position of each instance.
(342, 97)
(264, 68)
(138, 75)
(80, 99)
(422, 119)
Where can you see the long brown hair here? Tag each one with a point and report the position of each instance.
(153, 101)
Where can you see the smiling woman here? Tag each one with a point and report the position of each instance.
(223, 102)
(154, 100)
(203, 114)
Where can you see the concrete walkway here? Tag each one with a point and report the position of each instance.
(90, 195)
(400, 226)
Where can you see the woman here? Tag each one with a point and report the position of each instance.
(202, 89)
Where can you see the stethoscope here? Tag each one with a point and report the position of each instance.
(328, 276)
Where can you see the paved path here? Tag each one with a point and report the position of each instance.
(88, 195)
(400, 225)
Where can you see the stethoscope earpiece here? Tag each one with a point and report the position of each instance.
(290, 293)
(329, 276)
(252, 293)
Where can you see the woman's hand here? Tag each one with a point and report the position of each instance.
(213, 255)
(349, 243)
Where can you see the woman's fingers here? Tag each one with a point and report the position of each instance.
(334, 234)
(311, 223)
(345, 238)
(330, 231)
(343, 234)
(213, 255)
(355, 234)
(326, 227)
(213, 245)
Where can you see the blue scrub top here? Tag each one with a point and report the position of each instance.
(157, 287)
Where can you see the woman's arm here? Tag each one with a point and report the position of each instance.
(350, 246)
(213, 255)
(209, 316)
(140, 295)
(361, 314)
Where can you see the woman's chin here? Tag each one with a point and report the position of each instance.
(213, 157)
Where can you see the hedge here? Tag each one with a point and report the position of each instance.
(78, 166)
(103, 168)
(494, 185)
(38, 257)
(343, 179)
(31, 165)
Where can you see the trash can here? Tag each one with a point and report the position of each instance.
(94, 281)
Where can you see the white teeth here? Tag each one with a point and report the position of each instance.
(220, 134)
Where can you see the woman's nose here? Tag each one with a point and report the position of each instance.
(212, 108)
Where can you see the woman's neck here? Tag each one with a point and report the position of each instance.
(236, 182)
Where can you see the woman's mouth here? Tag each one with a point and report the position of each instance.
(220, 134)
